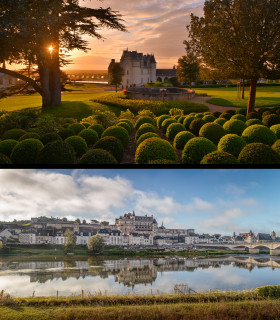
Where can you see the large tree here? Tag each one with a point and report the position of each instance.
(37, 32)
(188, 68)
(96, 244)
(70, 240)
(238, 38)
(116, 72)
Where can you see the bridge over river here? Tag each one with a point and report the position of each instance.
(254, 248)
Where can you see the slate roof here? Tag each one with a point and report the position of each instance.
(166, 72)
(264, 236)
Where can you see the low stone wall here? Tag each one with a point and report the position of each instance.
(171, 94)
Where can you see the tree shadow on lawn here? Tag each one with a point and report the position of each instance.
(222, 102)
(70, 109)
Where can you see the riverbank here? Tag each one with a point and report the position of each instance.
(252, 304)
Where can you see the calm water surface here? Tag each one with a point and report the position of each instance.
(138, 275)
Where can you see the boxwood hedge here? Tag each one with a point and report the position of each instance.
(112, 145)
(259, 133)
(26, 151)
(231, 143)
(174, 129)
(57, 152)
(258, 153)
(98, 156)
(117, 132)
(219, 157)
(78, 143)
(6, 146)
(235, 126)
(181, 139)
(212, 131)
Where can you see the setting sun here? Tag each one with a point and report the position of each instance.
(51, 48)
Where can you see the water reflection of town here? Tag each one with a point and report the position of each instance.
(129, 272)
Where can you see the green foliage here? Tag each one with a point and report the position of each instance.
(70, 241)
(266, 113)
(235, 126)
(104, 117)
(143, 120)
(231, 143)
(96, 244)
(160, 120)
(240, 117)
(144, 128)
(154, 149)
(49, 137)
(231, 111)
(242, 111)
(65, 133)
(275, 129)
(258, 153)
(195, 149)
(276, 146)
(181, 139)
(98, 128)
(269, 291)
(181, 119)
(128, 122)
(4, 159)
(219, 157)
(127, 115)
(166, 123)
(161, 161)
(220, 121)
(209, 118)
(196, 125)
(125, 125)
(146, 136)
(30, 135)
(116, 72)
(98, 156)
(173, 129)
(212, 131)
(91, 136)
(251, 122)
(6, 146)
(146, 113)
(259, 133)
(199, 115)
(188, 68)
(14, 134)
(26, 151)
(271, 120)
(47, 124)
(225, 115)
(119, 133)
(216, 114)
(76, 127)
(112, 145)
(253, 115)
(176, 112)
(57, 152)
(78, 143)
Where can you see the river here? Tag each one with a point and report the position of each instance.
(26, 277)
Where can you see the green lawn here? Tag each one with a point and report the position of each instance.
(266, 96)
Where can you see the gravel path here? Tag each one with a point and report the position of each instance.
(212, 107)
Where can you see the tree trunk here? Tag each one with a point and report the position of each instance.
(190, 82)
(243, 89)
(45, 85)
(55, 83)
(252, 95)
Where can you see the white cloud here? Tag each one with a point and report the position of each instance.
(234, 190)
(198, 204)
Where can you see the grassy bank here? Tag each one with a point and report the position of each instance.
(218, 305)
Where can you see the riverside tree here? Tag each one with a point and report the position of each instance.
(70, 240)
(41, 33)
(96, 244)
(188, 68)
(116, 72)
(238, 38)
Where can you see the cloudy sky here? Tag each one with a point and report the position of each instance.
(154, 26)
(210, 201)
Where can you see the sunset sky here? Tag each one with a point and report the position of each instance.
(154, 26)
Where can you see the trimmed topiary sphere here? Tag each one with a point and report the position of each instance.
(145, 136)
(112, 145)
(78, 143)
(144, 128)
(181, 139)
(98, 156)
(258, 153)
(261, 111)
(177, 117)
(117, 132)
(242, 111)
(239, 117)
(128, 122)
(266, 113)
(199, 115)
(188, 120)
(162, 161)
(166, 123)
(98, 128)
(50, 137)
(212, 131)
(219, 157)
(154, 149)
(86, 125)
(207, 113)
(90, 136)
(181, 119)
(57, 152)
(271, 120)
(216, 114)
(65, 133)
(221, 121)
(209, 118)
(252, 115)
(275, 129)
(143, 120)
(7, 146)
(26, 151)
(276, 146)
(259, 133)
(196, 125)
(196, 149)
(235, 126)
(174, 129)
(251, 122)
(14, 134)
(4, 159)
(231, 111)
(231, 143)
(225, 115)
(160, 120)
(124, 125)
(76, 127)
(29, 135)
